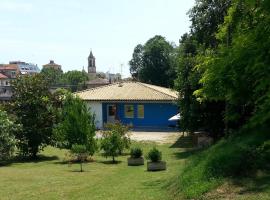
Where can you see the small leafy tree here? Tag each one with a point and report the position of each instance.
(122, 130)
(115, 140)
(76, 125)
(80, 153)
(110, 144)
(7, 135)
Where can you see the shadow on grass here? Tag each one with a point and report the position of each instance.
(64, 162)
(78, 170)
(40, 158)
(110, 162)
(186, 154)
(184, 142)
(255, 185)
(125, 154)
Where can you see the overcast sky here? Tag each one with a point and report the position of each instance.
(37, 31)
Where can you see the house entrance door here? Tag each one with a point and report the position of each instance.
(111, 113)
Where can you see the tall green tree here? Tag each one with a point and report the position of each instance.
(206, 16)
(153, 62)
(75, 80)
(76, 126)
(31, 103)
(53, 76)
(239, 73)
(136, 62)
(186, 83)
(156, 62)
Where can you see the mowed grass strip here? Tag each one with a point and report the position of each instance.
(51, 178)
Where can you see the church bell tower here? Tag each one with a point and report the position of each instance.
(91, 64)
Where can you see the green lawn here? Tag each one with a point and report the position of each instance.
(53, 179)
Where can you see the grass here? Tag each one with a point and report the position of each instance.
(226, 167)
(51, 178)
(189, 174)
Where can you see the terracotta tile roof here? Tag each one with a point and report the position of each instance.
(2, 76)
(9, 67)
(128, 91)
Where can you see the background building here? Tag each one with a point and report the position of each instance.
(53, 65)
(25, 68)
(133, 103)
(9, 72)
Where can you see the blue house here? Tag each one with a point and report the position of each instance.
(132, 103)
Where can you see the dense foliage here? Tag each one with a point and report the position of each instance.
(7, 135)
(54, 76)
(238, 72)
(222, 55)
(230, 73)
(73, 80)
(76, 125)
(153, 62)
(33, 108)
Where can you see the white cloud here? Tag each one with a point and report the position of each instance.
(12, 6)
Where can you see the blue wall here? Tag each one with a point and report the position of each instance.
(155, 114)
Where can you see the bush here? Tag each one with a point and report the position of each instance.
(7, 137)
(154, 155)
(136, 152)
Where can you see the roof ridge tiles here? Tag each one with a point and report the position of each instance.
(89, 89)
(146, 85)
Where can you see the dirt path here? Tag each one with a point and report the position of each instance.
(160, 137)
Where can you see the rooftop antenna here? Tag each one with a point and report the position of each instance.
(121, 71)
(120, 81)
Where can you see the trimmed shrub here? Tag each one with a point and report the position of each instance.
(154, 155)
(136, 152)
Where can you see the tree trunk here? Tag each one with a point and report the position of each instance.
(81, 166)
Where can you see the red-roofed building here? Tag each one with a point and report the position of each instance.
(5, 88)
(9, 72)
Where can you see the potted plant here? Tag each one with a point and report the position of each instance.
(155, 163)
(135, 158)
